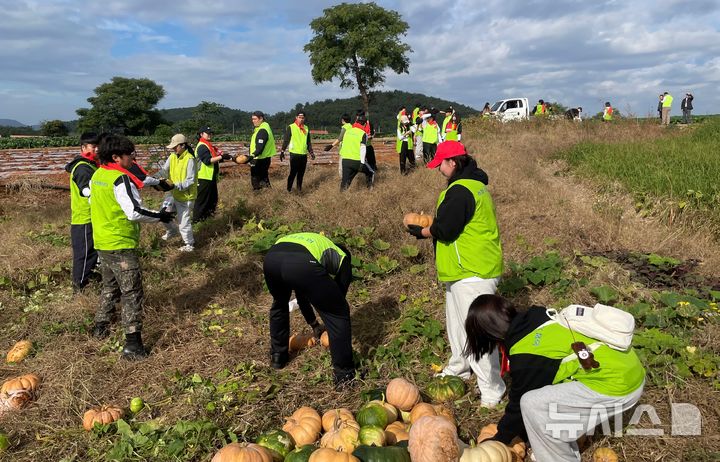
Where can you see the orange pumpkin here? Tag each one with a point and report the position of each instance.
(304, 426)
(402, 394)
(17, 392)
(433, 439)
(299, 342)
(241, 452)
(343, 414)
(102, 415)
(330, 455)
(421, 410)
(19, 351)
(396, 432)
(418, 219)
(242, 159)
(342, 437)
(445, 411)
(325, 340)
(604, 455)
(487, 432)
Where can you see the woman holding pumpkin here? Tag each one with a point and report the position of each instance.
(468, 256)
(554, 399)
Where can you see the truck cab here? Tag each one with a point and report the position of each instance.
(509, 109)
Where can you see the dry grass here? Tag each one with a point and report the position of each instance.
(538, 208)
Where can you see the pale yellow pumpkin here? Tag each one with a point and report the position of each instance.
(604, 455)
(304, 425)
(102, 415)
(433, 439)
(328, 419)
(402, 394)
(329, 455)
(342, 437)
(487, 451)
(517, 445)
(242, 452)
(19, 351)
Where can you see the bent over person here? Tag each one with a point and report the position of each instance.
(319, 272)
(116, 212)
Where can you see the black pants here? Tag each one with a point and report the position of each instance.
(85, 257)
(207, 199)
(259, 173)
(429, 150)
(298, 164)
(370, 157)
(406, 155)
(350, 168)
(289, 267)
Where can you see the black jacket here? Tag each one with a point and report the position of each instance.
(82, 174)
(687, 103)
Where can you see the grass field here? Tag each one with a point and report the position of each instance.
(566, 238)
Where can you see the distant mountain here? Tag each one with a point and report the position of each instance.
(11, 123)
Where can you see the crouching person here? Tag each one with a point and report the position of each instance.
(320, 273)
(559, 391)
(116, 211)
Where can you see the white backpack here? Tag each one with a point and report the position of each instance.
(609, 325)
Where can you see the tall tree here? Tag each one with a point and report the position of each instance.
(54, 128)
(356, 43)
(123, 105)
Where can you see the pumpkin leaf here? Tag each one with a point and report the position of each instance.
(417, 269)
(409, 251)
(606, 295)
(381, 245)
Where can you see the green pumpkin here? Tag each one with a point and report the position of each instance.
(447, 388)
(372, 436)
(373, 394)
(384, 454)
(372, 415)
(278, 443)
(301, 454)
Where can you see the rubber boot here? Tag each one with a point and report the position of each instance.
(134, 348)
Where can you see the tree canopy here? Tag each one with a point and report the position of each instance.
(355, 43)
(54, 128)
(123, 105)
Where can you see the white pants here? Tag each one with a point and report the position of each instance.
(418, 147)
(183, 219)
(458, 297)
(555, 416)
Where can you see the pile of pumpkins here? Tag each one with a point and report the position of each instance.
(18, 392)
(397, 426)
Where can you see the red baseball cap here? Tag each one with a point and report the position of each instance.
(446, 150)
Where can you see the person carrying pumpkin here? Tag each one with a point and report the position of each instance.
(469, 259)
(549, 379)
(320, 273)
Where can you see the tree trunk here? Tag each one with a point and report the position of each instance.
(361, 87)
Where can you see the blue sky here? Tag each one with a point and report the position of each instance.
(249, 55)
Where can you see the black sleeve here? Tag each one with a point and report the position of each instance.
(82, 176)
(309, 143)
(286, 138)
(459, 130)
(260, 141)
(344, 276)
(364, 139)
(203, 153)
(455, 211)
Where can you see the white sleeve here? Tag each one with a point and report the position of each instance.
(363, 153)
(151, 181)
(189, 178)
(128, 197)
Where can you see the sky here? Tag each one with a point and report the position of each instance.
(249, 54)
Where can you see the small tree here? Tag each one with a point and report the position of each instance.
(54, 128)
(356, 43)
(208, 113)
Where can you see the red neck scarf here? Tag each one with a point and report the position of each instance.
(213, 149)
(301, 127)
(361, 127)
(114, 166)
(90, 156)
(504, 361)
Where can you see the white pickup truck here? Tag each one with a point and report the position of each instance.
(509, 109)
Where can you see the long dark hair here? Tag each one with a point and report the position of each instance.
(461, 163)
(487, 323)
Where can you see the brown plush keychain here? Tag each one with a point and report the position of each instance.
(585, 356)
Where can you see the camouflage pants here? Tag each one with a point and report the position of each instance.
(122, 282)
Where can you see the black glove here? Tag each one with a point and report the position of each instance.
(165, 185)
(282, 156)
(251, 160)
(328, 147)
(312, 155)
(416, 230)
(226, 156)
(165, 216)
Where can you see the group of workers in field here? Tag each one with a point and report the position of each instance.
(482, 327)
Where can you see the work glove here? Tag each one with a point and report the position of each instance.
(416, 230)
(312, 155)
(165, 216)
(328, 147)
(282, 156)
(226, 156)
(165, 185)
(251, 160)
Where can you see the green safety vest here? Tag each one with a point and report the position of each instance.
(430, 134)
(477, 251)
(415, 113)
(608, 114)
(620, 372)
(111, 228)
(298, 139)
(445, 122)
(178, 174)
(269, 149)
(399, 116)
(315, 243)
(398, 145)
(352, 139)
(206, 172)
(667, 100)
(451, 134)
(539, 110)
(79, 205)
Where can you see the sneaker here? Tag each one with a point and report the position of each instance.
(186, 248)
(168, 235)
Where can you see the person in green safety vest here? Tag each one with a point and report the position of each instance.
(81, 169)
(404, 145)
(607, 112)
(556, 387)
(666, 107)
(419, 119)
(353, 152)
(208, 159)
(298, 141)
(262, 150)
(539, 109)
(320, 272)
(116, 211)
(452, 130)
(179, 168)
(431, 135)
(344, 127)
(468, 257)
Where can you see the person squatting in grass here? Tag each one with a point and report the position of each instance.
(208, 172)
(262, 149)
(320, 273)
(179, 168)
(546, 372)
(116, 211)
(297, 141)
(469, 259)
